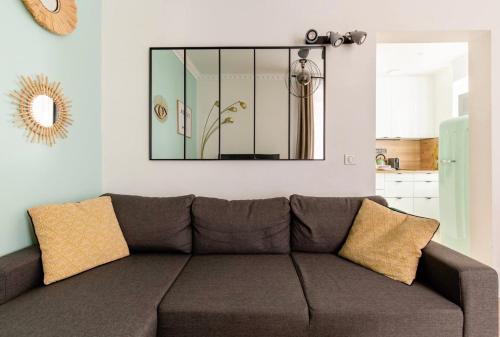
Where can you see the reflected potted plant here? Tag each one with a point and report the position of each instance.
(213, 126)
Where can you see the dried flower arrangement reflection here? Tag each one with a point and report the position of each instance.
(30, 89)
(214, 125)
(61, 20)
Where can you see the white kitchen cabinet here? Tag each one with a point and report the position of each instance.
(379, 181)
(402, 204)
(424, 114)
(399, 189)
(426, 189)
(399, 176)
(426, 176)
(401, 107)
(426, 207)
(411, 192)
(383, 120)
(405, 107)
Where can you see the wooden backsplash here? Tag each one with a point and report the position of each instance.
(421, 154)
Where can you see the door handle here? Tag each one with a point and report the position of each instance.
(448, 161)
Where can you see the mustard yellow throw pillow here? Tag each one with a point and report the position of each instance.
(76, 237)
(388, 242)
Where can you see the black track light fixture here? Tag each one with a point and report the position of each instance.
(336, 39)
(358, 37)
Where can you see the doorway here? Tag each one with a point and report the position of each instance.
(428, 127)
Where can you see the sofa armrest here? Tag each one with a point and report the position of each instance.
(19, 272)
(470, 284)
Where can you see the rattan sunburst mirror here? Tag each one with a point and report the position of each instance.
(57, 16)
(42, 109)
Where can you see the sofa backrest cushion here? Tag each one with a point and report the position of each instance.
(152, 224)
(241, 226)
(321, 224)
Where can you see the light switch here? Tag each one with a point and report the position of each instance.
(349, 159)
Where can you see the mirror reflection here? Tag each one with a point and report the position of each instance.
(51, 5)
(44, 110)
(167, 80)
(307, 104)
(237, 111)
(271, 113)
(237, 103)
(203, 98)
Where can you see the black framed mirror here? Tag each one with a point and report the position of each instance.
(237, 103)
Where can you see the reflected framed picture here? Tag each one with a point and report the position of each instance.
(181, 110)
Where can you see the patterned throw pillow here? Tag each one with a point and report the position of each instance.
(76, 237)
(388, 242)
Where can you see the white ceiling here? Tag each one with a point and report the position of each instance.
(417, 58)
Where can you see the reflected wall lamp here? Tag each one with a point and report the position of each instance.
(336, 39)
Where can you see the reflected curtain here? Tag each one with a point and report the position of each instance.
(305, 125)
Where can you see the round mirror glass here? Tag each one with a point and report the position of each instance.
(44, 110)
(51, 5)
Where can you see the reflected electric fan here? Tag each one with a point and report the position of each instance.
(304, 77)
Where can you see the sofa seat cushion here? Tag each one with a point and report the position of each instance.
(235, 296)
(348, 300)
(119, 299)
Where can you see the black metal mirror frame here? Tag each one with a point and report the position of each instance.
(185, 49)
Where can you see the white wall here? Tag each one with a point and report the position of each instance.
(130, 27)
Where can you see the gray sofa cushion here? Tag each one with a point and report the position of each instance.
(235, 296)
(321, 224)
(152, 224)
(348, 300)
(20, 272)
(241, 226)
(118, 299)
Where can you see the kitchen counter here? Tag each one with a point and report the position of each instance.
(406, 171)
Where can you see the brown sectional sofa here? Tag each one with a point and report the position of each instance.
(214, 268)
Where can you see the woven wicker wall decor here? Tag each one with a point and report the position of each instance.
(32, 89)
(60, 19)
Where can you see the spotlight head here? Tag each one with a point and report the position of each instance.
(358, 37)
(303, 53)
(312, 36)
(336, 39)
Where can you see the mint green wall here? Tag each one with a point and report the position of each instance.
(167, 81)
(34, 174)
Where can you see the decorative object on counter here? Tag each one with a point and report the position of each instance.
(188, 119)
(42, 109)
(214, 125)
(160, 108)
(57, 16)
(336, 39)
(380, 159)
(393, 162)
